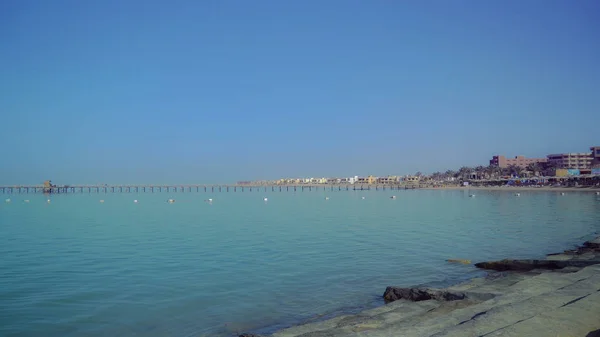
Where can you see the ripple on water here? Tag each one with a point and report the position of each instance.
(78, 267)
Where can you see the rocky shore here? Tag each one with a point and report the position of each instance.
(556, 296)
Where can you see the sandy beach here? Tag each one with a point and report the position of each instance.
(518, 188)
(556, 296)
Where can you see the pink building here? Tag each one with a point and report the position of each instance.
(521, 161)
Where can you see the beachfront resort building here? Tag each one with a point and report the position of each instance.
(412, 179)
(595, 156)
(388, 180)
(366, 180)
(571, 160)
(350, 180)
(520, 161)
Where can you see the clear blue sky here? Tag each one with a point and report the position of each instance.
(187, 91)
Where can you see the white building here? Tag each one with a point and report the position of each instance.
(350, 180)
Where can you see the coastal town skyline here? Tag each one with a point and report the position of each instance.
(89, 96)
(498, 166)
(562, 161)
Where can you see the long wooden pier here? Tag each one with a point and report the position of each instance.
(197, 188)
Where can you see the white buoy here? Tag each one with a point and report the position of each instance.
(597, 193)
(135, 201)
(326, 198)
(171, 201)
(471, 195)
(26, 200)
(393, 197)
(7, 200)
(48, 201)
(101, 201)
(562, 193)
(363, 198)
(266, 199)
(517, 194)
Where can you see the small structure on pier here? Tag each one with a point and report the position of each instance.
(48, 186)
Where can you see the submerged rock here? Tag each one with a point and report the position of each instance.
(528, 265)
(420, 294)
(463, 261)
(592, 244)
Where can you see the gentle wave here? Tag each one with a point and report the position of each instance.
(80, 267)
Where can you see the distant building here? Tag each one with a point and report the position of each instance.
(332, 181)
(366, 180)
(350, 180)
(388, 180)
(595, 156)
(520, 161)
(571, 160)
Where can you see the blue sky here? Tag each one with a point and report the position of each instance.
(219, 91)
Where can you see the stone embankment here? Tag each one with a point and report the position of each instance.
(557, 296)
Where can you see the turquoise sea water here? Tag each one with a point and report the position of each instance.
(78, 267)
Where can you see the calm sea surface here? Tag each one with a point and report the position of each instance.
(78, 267)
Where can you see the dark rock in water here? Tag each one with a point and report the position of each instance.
(593, 244)
(250, 335)
(595, 333)
(420, 294)
(528, 265)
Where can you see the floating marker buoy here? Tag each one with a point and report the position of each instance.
(471, 195)
(597, 193)
(171, 201)
(517, 194)
(7, 200)
(266, 199)
(393, 197)
(101, 201)
(209, 200)
(135, 201)
(48, 201)
(326, 198)
(363, 198)
(562, 193)
(27, 200)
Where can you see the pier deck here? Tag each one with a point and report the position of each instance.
(197, 188)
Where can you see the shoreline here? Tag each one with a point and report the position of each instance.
(517, 188)
(555, 296)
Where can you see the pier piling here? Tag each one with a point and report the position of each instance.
(198, 188)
